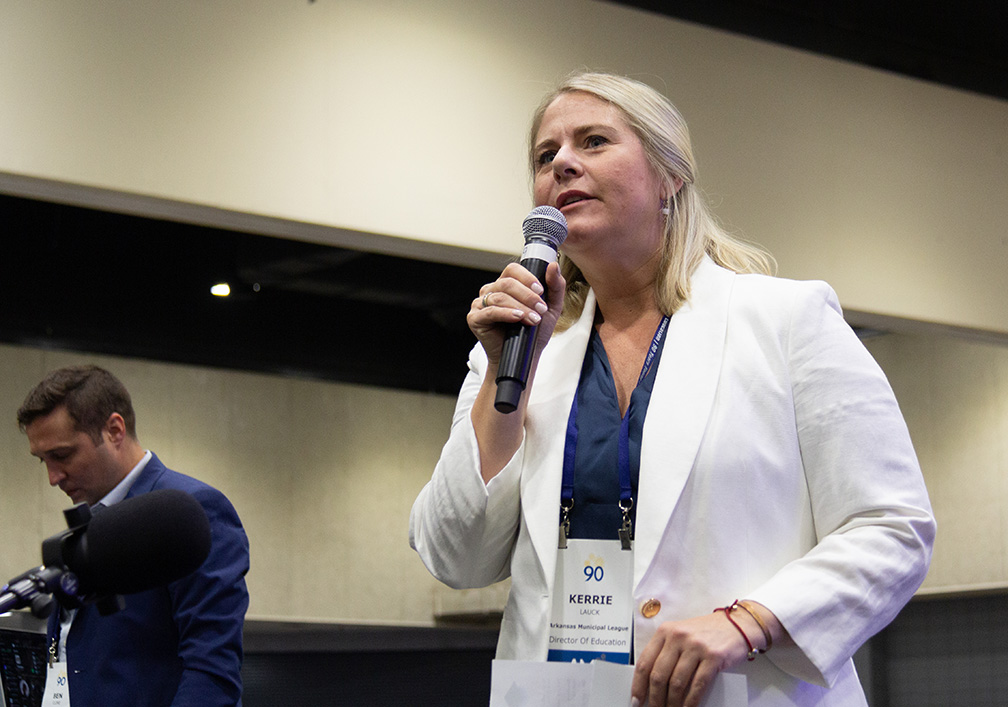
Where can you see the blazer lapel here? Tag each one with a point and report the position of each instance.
(683, 397)
(147, 478)
(684, 391)
(549, 407)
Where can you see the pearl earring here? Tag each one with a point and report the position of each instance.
(665, 208)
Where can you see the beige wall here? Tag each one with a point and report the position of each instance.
(954, 396)
(399, 126)
(322, 474)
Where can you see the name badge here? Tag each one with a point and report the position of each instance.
(592, 616)
(57, 689)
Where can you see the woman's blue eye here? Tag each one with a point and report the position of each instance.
(596, 141)
(545, 157)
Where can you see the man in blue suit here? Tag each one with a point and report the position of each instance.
(176, 645)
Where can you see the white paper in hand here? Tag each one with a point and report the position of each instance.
(519, 683)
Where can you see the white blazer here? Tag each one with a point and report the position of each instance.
(775, 466)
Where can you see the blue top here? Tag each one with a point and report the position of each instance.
(596, 513)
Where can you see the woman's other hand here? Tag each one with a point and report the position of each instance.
(679, 663)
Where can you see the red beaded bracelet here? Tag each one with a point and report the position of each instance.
(753, 652)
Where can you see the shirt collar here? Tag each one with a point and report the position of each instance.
(122, 488)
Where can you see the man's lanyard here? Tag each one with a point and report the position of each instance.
(623, 456)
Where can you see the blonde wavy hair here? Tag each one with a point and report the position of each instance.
(690, 229)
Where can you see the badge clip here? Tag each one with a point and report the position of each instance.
(565, 508)
(626, 530)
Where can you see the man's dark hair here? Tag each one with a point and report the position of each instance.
(90, 395)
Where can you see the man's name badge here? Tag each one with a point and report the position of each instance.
(592, 616)
(57, 689)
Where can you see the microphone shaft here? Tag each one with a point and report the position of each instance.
(519, 342)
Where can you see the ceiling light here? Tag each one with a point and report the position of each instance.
(221, 289)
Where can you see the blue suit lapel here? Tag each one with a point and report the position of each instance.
(148, 478)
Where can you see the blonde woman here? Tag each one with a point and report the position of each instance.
(725, 424)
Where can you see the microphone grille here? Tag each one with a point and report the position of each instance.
(545, 222)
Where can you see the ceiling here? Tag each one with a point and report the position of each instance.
(81, 279)
(962, 44)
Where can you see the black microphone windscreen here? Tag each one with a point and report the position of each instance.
(141, 543)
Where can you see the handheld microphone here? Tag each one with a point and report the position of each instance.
(545, 228)
(137, 544)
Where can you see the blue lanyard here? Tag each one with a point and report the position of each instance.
(623, 454)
